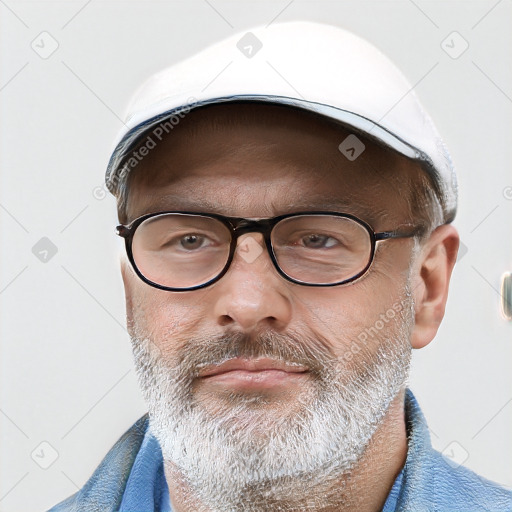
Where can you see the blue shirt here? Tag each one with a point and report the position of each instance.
(131, 477)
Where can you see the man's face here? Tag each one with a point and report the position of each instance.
(342, 353)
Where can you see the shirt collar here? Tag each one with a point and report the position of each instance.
(415, 472)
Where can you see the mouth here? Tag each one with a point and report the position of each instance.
(253, 374)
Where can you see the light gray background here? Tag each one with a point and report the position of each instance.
(66, 368)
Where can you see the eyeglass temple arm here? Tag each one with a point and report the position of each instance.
(386, 235)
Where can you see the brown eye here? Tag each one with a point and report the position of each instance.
(315, 241)
(191, 242)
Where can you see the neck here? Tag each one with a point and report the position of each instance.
(364, 489)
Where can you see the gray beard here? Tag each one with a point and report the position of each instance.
(246, 455)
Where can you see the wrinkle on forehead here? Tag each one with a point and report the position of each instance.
(270, 208)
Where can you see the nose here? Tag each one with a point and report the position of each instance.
(252, 295)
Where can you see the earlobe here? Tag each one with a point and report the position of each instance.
(433, 270)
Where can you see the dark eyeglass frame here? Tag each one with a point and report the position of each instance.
(238, 226)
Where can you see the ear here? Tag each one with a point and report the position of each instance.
(433, 269)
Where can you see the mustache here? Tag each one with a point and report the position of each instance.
(312, 351)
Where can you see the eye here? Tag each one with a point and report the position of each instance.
(317, 241)
(188, 242)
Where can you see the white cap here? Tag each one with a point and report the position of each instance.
(313, 66)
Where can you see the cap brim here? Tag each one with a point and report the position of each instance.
(150, 122)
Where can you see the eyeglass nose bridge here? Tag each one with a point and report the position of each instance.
(241, 226)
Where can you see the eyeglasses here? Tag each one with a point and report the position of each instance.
(183, 251)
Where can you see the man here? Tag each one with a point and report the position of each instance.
(288, 243)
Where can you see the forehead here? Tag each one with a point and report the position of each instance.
(264, 160)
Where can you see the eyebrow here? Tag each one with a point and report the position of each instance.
(171, 202)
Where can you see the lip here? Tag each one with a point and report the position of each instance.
(258, 365)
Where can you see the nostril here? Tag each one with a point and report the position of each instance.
(225, 320)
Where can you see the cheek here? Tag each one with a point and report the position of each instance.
(357, 317)
(153, 313)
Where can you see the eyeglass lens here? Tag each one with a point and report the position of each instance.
(182, 251)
